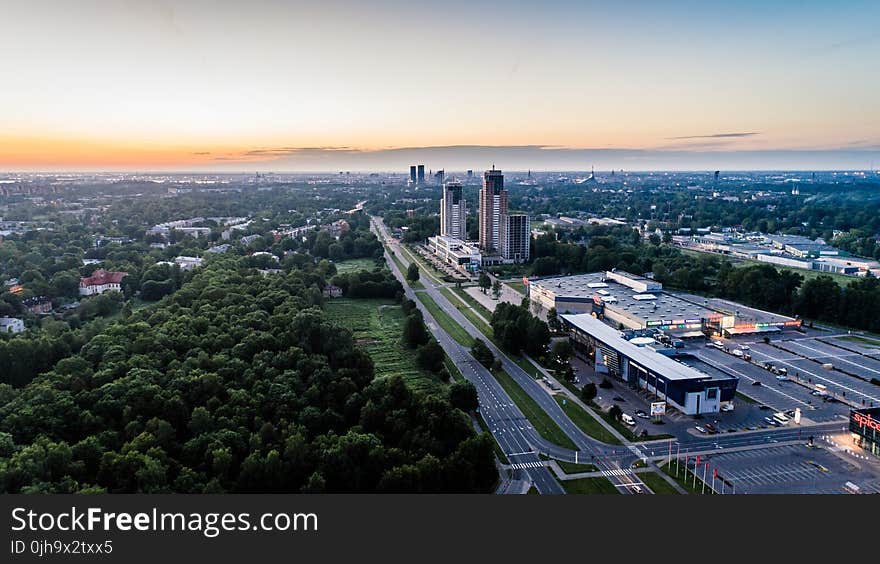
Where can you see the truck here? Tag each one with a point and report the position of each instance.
(627, 418)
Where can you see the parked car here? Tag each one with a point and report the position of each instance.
(701, 429)
(727, 407)
(711, 428)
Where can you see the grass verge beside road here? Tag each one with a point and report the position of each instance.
(861, 340)
(539, 419)
(472, 301)
(623, 429)
(589, 486)
(572, 468)
(585, 421)
(685, 479)
(467, 312)
(448, 324)
(657, 484)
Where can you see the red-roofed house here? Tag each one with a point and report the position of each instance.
(101, 281)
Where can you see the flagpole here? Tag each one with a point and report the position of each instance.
(714, 475)
(705, 468)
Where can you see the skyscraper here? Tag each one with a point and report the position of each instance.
(412, 174)
(515, 237)
(493, 204)
(421, 174)
(453, 211)
(439, 176)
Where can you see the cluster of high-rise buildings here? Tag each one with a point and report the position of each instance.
(503, 237)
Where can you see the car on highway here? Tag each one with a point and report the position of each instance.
(782, 378)
(701, 429)
(756, 383)
(771, 421)
(744, 347)
(737, 353)
(637, 488)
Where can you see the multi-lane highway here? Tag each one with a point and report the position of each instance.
(519, 440)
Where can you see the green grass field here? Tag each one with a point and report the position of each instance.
(517, 286)
(355, 265)
(572, 468)
(545, 426)
(586, 422)
(589, 486)
(448, 324)
(377, 326)
(657, 484)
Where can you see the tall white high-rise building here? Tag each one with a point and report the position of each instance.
(453, 211)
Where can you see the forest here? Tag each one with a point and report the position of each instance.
(234, 383)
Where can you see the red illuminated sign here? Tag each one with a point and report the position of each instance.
(866, 421)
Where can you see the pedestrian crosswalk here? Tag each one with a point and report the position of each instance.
(616, 472)
(524, 465)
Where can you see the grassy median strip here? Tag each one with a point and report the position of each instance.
(543, 424)
(572, 468)
(467, 312)
(586, 422)
(448, 324)
(473, 302)
(589, 486)
(657, 484)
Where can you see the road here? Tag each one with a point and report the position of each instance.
(517, 438)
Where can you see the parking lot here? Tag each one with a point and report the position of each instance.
(794, 469)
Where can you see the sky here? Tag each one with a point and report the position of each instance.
(351, 85)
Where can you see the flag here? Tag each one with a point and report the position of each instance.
(715, 473)
(698, 460)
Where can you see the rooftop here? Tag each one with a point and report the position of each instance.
(647, 357)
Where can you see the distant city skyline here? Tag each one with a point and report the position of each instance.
(343, 85)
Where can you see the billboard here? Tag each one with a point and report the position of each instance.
(658, 408)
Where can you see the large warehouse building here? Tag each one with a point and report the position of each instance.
(636, 302)
(690, 391)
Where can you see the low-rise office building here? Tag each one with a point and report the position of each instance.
(455, 252)
(686, 389)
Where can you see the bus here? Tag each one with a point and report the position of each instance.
(780, 418)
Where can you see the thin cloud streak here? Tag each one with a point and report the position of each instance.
(717, 135)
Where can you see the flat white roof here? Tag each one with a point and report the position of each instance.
(647, 357)
(642, 297)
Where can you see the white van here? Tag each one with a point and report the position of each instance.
(626, 418)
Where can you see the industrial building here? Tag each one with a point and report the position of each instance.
(680, 386)
(636, 302)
